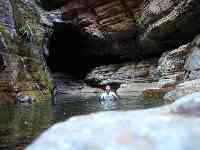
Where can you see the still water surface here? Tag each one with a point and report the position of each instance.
(21, 124)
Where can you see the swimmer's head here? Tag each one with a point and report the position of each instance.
(108, 88)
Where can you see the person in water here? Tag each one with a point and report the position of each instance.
(108, 95)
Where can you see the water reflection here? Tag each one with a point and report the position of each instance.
(109, 105)
(21, 124)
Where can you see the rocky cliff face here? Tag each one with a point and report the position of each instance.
(121, 29)
(112, 22)
(152, 27)
(168, 24)
(144, 28)
(23, 75)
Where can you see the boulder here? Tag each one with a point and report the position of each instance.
(172, 71)
(122, 73)
(174, 126)
(188, 105)
(134, 89)
(21, 98)
(161, 88)
(173, 61)
(183, 89)
(192, 64)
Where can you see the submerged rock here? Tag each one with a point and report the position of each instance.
(153, 129)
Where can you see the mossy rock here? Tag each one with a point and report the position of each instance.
(28, 64)
(6, 98)
(36, 95)
(29, 30)
(9, 41)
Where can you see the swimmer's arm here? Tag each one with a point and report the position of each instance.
(115, 96)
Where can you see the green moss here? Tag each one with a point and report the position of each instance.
(10, 43)
(46, 80)
(37, 95)
(140, 22)
(35, 74)
(30, 37)
(30, 33)
(23, 76)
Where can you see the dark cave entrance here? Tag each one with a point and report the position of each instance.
(66, 50)
(73, 51)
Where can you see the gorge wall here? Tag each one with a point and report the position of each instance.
(85, 34)
(141, 27)
(23, 74)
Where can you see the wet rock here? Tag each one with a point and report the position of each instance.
(188, 105)
(71, 87)
(100, 75)
(183, 89)
(192, 65)
(153, 129)
(121, 74)
(134, 89)
(162, 87)
(48, 18)
(20, 98)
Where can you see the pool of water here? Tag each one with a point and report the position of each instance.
(21, 124)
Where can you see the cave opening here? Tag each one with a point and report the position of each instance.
(75, 52)
(65, 49)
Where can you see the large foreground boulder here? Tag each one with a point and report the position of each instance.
(176, 127)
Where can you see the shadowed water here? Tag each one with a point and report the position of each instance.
(21, 124)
